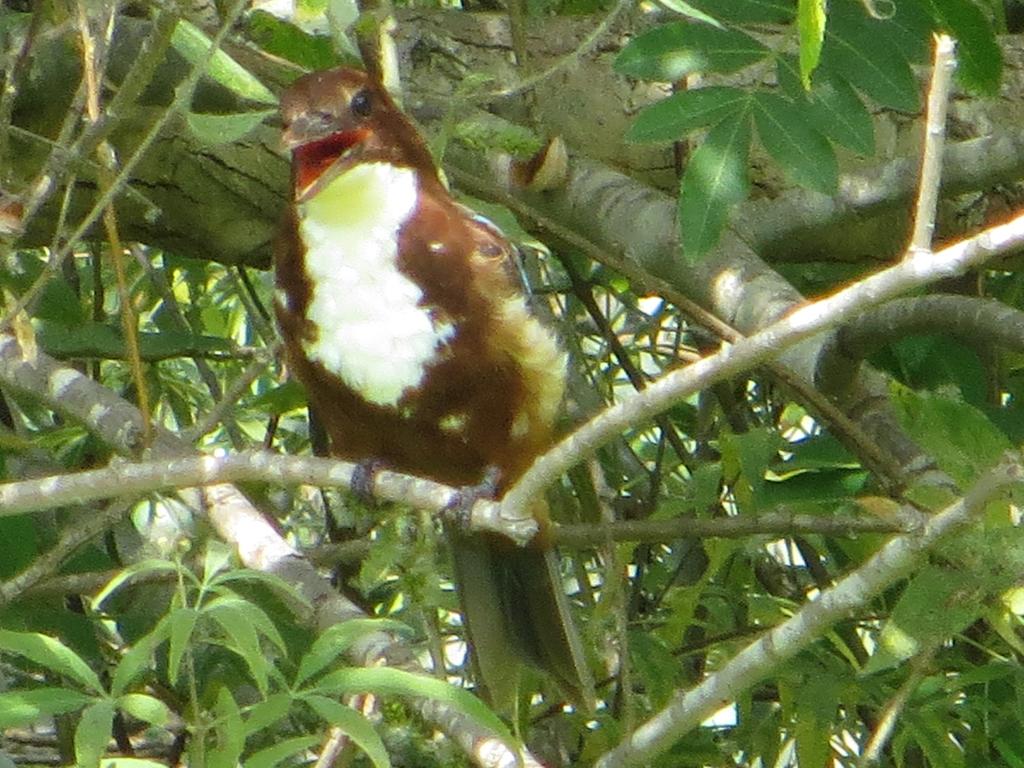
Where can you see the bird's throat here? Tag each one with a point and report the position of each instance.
(311, 160)
(370, 327)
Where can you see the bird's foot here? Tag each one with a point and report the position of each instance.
(460, 509)
(363, 478)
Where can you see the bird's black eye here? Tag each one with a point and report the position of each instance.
(361, 103)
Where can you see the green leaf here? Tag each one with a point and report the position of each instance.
(805, 155)
(146, 708)
(229, 732)
(93, 733)
(937, 603)
(909, 30)
(216, 560)
(655, 665)
(138, 657)
(52, 654)
(858, 49)
(281, 751)
(818, 491)
(397, 682)
(20, 708)
(151, 566)
(837, 112)
(746, 457)
(690, 12)
(337, 639)
(213, 129)
(276, 584)
(749, 11)
(130, 762)
(240, 621)
(957, 435)
(672, 118)
(281, 399)
(979, 57)
(267, 712)
(671, 51)
(182, 623)
(354, 725)
(815, 707)
(714, 181)
(929, 727)
(19, 544)
(192, 43)
(106, 342)
(811, 28)
(282, 38)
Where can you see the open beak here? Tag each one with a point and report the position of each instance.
(320, 160)
(304, 129)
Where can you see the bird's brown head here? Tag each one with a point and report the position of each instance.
(339, 117)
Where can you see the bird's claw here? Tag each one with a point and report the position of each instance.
(363, 478)
(460, 509)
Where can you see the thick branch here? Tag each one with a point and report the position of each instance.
(969, 319)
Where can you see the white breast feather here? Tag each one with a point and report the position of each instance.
(372, 331)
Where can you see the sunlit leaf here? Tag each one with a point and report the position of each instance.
(21, 708)
(224, 129)
(811, 29)
(669, 52)
(93, 733)
(937, 603)
(281, 752)
(192, 43)
(147, 708)
(337, 639)
(52, 654)
(397, 682)
(354, 725)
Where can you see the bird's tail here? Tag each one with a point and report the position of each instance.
(516, 611)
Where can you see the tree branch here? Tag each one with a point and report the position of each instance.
(240, 524)
(913, 272)
(757, 660)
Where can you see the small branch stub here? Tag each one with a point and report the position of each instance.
(488, 515)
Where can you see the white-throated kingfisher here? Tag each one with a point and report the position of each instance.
(404, 317)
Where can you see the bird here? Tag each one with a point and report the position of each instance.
(404, 317)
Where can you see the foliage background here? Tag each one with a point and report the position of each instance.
(762, 152)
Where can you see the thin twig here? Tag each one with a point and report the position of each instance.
(582, 535)
(238, 387)
(75, 534)
(897, 704)
(934, 141)
(571, 58)
(91, 67)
